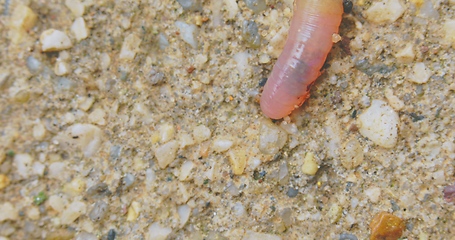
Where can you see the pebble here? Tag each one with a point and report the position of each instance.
(352, 154)
(4, 181)
(310, 165)
(221, 145)
(85, 236)
(237, 159)
(250, 235)
(76, 7)
(54, 40)
(385, 11)
(158, 232)
(130, 47)
(449, 193)
(256, 5)
(420, 73)
(201, 133)
(72, 212)
(187, 33)
(184, 214)
(79, 29)
(191, 5)
(335, 212)
(97, 116)
(8, 211)
(111, 234)
(56, 203)
(23, 18)
(272, 138)
(250, 33)
(23, 163)
(373, 193)
(292, 192)
(232, 8)
(33, 64)
(185, 170)
(55, 169)
(449, 30)
(133, 211)
(379, 123)
(98, 211)
(166, 153)
(87, 136)
(167, 132)
(406, 54)
(347, 236)
(98, 190)
(386, 226)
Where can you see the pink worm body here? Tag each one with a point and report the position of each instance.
(307, 46)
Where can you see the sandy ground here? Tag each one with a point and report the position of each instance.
(150, 127)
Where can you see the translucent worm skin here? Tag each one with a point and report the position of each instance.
(307, 46)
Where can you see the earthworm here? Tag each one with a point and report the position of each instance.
(305, 51)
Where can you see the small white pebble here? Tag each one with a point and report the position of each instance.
(185, 170)
(264, 58)
(420, 73)
(105, 61)
(272, 138)
(97, 116)
(23, 163)
(379, 123)
(250, 235)
(449, 32)
(130, 47)
(158, 232)
(373, 193)
(393, 100)
(184, 214)
(54, 40)
(385, 11)
(61, 68)
(38, 168)
(439, 177)
(185, 139)
(33, 213)
(406, 54)
(167, 132)
(222, 145)
(232, 8)
(39, 131)
(76, 7)
(79, 29)
(56, 203)
(87, 136)
(72, 212)
(187, 33)
(9, 212)
(201, 133)
(166, 153)
(55, 170)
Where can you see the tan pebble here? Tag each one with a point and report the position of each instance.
(237, 158)
(133, 211)
(310, 166)
(23, 18)
(4, 181)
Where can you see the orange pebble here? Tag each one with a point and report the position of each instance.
(386, 226)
